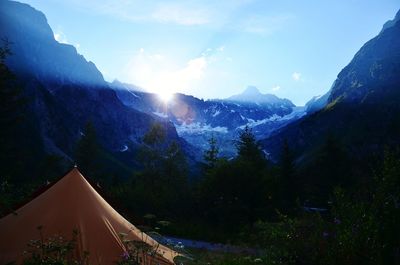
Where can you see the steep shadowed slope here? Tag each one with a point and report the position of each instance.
(64, 91)
(362, 109)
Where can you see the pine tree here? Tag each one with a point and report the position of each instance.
(155, 136)
(287, 178)
(150, 153)
(286, 162)
(386, 205)
(332, 165)
(211, 154)
(248, 149)
(88, 151)
(10, 94)
(12, 109)
(175, 170)
(162, 183)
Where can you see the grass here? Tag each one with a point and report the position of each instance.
(199, 256)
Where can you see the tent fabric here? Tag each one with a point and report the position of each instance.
(73, 204)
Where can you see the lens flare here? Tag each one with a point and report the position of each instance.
(165, 96)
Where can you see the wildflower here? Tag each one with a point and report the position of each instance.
(125, 255)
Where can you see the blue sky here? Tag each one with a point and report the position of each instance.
(214, 49)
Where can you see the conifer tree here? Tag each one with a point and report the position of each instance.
(161, 184)
(248, 149)
(88, 151)
(211, 154)
(332, 166)
(12, 108)
(287, 178)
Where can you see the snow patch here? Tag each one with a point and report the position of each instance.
(266, 153)
(317, 97)
(216, 113)
(253, 123)
(296, 113)
(196, 127)
(160, 114)
(133, 94)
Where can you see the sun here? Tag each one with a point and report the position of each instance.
(165, 96)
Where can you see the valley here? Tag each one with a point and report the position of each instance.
(250, 172)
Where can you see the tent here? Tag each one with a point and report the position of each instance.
(73, 204)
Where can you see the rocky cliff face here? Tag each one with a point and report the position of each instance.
(373, 72)
(37, 53)
(64, 91)
(361, 108)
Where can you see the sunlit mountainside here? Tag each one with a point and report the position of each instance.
(58, 66)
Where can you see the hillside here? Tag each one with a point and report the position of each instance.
(360, 109)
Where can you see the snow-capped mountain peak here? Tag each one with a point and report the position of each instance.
(252, 95)
(251, 91)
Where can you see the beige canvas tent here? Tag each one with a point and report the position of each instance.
(72, 203)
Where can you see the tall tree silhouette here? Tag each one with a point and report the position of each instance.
(248, 149)
(12, 108)
(161, 184)
(211, 154)
(287, 177)
(88, 151)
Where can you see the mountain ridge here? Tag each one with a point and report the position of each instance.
(22, 24)
(361, 109)
(252, 95)
(65, 91)
(196, 120)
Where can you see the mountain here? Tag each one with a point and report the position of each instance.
(196, 120)
(252, 95)
(117, 85)
(32, 39)
(64, 91)
(361, 109)
(317, 103)
(392, 22)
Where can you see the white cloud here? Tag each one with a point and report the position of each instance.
(156, 56)
(158, 73)
(194, 68)
(179, 14)
(217, 14)
(60, 37)
(276, 88)
(212, 53)
(262, 24)
(296, 76)
(183, 13)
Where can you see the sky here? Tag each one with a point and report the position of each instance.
(214, 49)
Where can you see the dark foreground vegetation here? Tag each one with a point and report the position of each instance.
(332, 209)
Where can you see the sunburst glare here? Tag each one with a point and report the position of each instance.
(165, 96)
